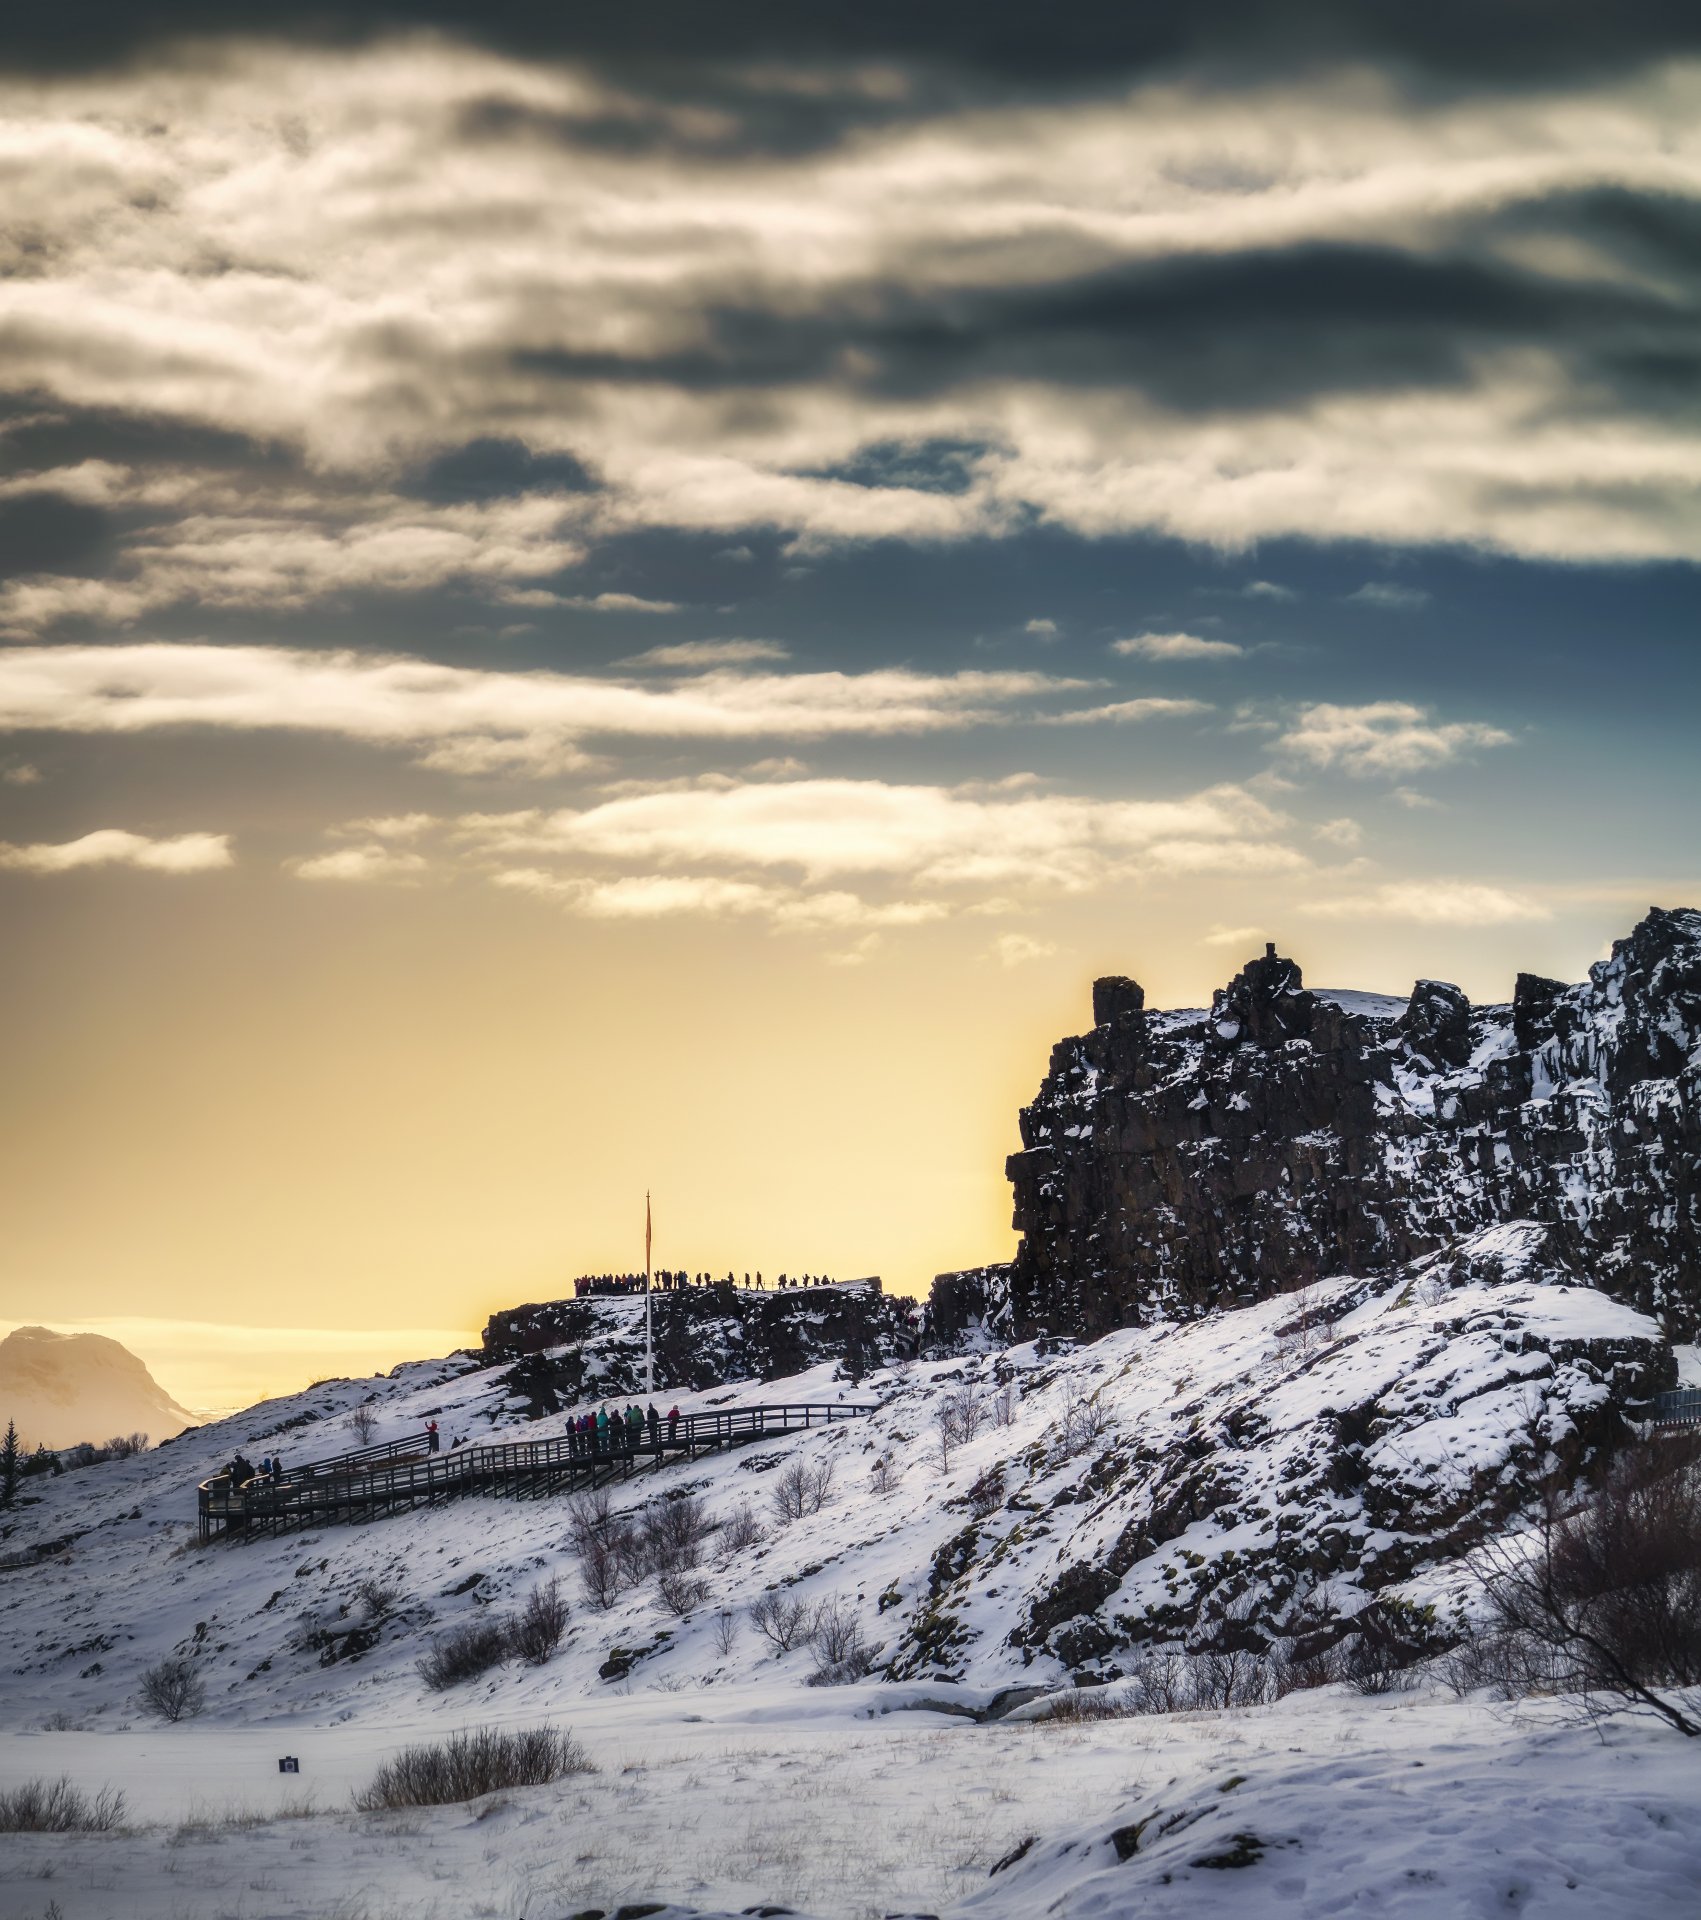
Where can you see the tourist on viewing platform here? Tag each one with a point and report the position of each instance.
(432, 1439)
(653, 1420)
(672, 1426)
(601, 1430)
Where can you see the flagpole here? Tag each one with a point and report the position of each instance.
(649, 1343)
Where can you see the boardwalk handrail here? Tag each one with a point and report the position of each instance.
(1679, 1408)
(400, 1473)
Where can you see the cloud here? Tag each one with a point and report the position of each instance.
(1196, 304)
(471, 720)
(1414, 801)
(1042, 629)
(1120, 711)
(1246, 937)
(654, 896)
(619, 603)
(393, 826)
(113, 847)
(1266, 590)
(1384, 737)
(693, 654)
(932, 837)
(1383, 593)
(366, 863)
(1016, 949)
(1453, 903)
(20, 773)
(1177, 646)
(1340, 833)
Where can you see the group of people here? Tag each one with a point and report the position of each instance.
(621, 1430)
(241, 1470)
(676, 1280)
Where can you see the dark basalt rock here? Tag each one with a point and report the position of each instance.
(1176, 1162)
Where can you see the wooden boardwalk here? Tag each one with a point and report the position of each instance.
(401, 1473)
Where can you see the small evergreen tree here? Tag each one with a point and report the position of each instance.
(9, 1465)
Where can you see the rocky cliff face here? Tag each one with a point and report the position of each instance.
(1177, 1162)
(572, 1351)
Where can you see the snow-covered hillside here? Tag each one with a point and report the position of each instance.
(1303, 1453)
(1274, 1465)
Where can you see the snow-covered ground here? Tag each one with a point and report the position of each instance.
(1310, 1450)
(724, 1798)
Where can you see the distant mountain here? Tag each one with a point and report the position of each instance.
(64, 1387)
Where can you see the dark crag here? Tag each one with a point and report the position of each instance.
(1176, 1162)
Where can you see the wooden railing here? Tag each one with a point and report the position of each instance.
(404, 1473)
(1681, 1408)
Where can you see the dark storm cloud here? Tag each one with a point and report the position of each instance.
(1011, 42)
(493, 468)
(1231, 332)
(46, 533)
(38, 432)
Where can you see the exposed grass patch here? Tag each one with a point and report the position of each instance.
(59, 1806)
(468, 1764)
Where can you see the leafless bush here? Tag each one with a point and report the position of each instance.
(1004, 1405)
(818, 1487)
(945, 1435)
(364, 1420)
(987, 1494)
(791, 1491)
(173, 1690)
(1298, 1668)
(1230, 1677)
(540, 1623)
(472, 1763)
(1084, 1421)
(1085, 1704)
(378, 1597)
(886, 1474)
(1162, 1683)
(123, 1446)
(1311, 1328)
(783, 1621)
(588, 1514)
(1608, 1596)
(726, 1631)
(674, 1532)
(836, 1639)
(682, 1589)
(463, 1653)
(59, 1806)
(741, 1529)
(1385, 1654)
(964, 1407)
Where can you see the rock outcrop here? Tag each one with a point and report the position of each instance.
(1177, 1162)
(571, 1351)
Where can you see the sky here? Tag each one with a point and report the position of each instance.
(612, 599)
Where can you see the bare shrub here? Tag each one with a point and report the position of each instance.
(1086, 1704)
(1004, 1405)
(1311, 1328)
(59, 1806)
(124, 1446)
(741, 1529)
(378, 1597)
(1084, 1421)
(463, 1653)
(470, 1764)
(1301, 1667)
(818, 1483)
(837, 1641)
(782, 1620)
(968, 1410)
(1162, 1683)
(613, 1550)
(173, 1690)
(945, 1435)
(726, 1631)
(986, 1496)
(675, 1530)
(791, 1491)
(682, 1589)
(1230, 1677)
(1607, 1600)
(540, 1623)
(1384, 1654)
(886, 1473)
(364, 1420)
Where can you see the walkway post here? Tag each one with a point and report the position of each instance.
(649, 1344)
